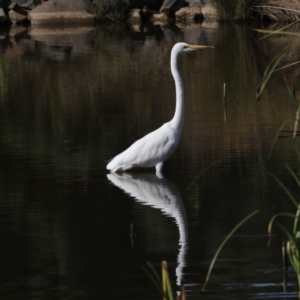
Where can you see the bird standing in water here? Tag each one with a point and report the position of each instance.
(157, 146)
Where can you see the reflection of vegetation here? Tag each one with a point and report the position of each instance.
(54, 111)
(233, 9)
(70, 115)
(63, 114)
(3, 79)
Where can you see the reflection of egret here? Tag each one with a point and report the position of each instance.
(159, 193)
(157, 146)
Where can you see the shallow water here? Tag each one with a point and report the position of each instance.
(71, 99)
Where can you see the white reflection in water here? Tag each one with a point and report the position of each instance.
(160, 193)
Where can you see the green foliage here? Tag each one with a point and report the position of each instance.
(292, 249)
(164, 284)
(269, 71)
(271, 10)
(293, 235)
(244, 220)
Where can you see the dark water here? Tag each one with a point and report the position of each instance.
(70, 99)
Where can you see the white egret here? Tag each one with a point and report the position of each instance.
(157, 146)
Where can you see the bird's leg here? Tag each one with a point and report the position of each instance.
(159, 174)
(158, 168)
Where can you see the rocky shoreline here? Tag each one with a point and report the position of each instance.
(38, 12)
(60, 12)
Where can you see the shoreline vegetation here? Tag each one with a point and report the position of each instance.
(42, 12)
(194, 11)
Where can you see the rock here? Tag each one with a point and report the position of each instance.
(12, 5)
(134, 16)
(137, 16)
(18, 15)
(135, 27)
(209, 12)
(63, 12)
(171, 6)
(193, 3)
(190, 28)
(210, 24)
(189, 14)
(3, 16)
(162, 18)
(16, 32)
(28, 4)
(61, 41)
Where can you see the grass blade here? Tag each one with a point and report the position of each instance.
(277, 137)
(167, 289)
(284, 188)
(279, 215)
(279, 31)
(269, 71)
(222, 245)
(203, 172)
(152, 279)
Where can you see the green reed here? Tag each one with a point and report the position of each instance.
(163, 283)
(257, 10)
(244, 220)
(292, 235)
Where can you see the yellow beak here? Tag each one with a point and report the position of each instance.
(198, 47)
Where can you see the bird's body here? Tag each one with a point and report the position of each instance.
(157, 146)
(150, 151)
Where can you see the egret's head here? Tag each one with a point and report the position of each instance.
(184, 47)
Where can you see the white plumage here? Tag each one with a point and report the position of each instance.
(157, 146)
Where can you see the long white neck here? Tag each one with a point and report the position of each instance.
(178, 119)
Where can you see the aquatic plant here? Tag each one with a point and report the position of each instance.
(287, 53)
(244, 220)
(291, 247)
(163, 284)
(258, 10)
(292, 236)
(268, 72)
(276, 10)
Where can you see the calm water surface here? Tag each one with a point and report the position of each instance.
(70, 99)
